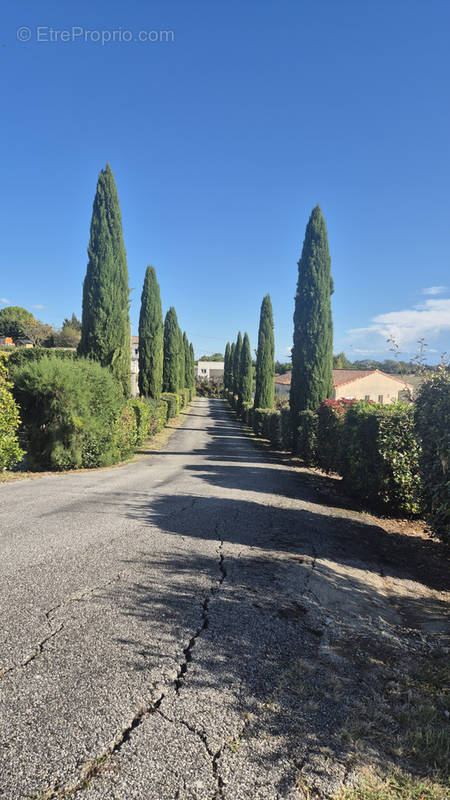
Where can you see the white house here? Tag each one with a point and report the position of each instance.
(359, 384)
(209, 370)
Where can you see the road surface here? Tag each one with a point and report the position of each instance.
(182, 626)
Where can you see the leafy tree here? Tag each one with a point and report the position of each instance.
(187, 361)
(73, 323)
(341, 362)
(237, 365)
(245, 372)
(312, 354)
(214, 357)
(105, 324)
(226, 367)
(12, 319)
(181, 366)
(265, 368)
(66, 337)
(171, 364)
(281, 368)
(231, 369)
(36, 331)
(151, 334)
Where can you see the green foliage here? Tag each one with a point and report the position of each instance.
(173, 401)
(331, 417)
(245, 412)
(259, 426)
(158, 415)
(214, 357)
(380, 456)
(306, 437)
(184, 395)
(245, 372)
(73, 323)
(312, 353)
(275, 428)
(66, 337)
(286, 427)
(151, 332)
(226, 367)
(237, 364)
(171, 365)
(143, 413)
(12, 319)
(105, 326)
(432, 418)
(282, 367)
(231, 380)
(4, 363)
(26, 355)
(125, 432)
(69, 410)
(341, 362)
(209, 388)
(187, 362)
(181, 380)
(10, 452)
(265, 368)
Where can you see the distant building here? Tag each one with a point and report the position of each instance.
(209, 370)
(358, 384)
(6, 341)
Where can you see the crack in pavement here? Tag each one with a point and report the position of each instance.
(97, 765)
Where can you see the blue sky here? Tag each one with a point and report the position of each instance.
(221, 141)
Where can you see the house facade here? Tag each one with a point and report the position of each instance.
(359, 384)
(134, 366)
(209, 370)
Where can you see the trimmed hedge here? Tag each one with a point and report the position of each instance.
(246, 412)
(70, 411)
(184, 397)
(286, 428)
(331, 416)
(306, 439)
(432, 418)
(158, 410)
(25, 355)
(143, 414)
(10, 452)
(173, 404)
(380, 456)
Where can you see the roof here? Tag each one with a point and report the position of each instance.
(344, 376)
(135, 340)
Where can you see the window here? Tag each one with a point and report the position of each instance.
(204, 371)
(380, 398)
(367, 398)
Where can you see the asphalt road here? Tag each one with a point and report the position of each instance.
(155, 616)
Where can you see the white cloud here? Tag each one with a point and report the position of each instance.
(433, 290)
(39, 305)
(4, 300)
(429, 320)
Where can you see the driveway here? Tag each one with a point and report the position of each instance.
(200, 624)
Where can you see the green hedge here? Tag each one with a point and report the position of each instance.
(275, 428)
(260, 421)
(432, 418)
(173, 402)
(184, 397)
(246, 412)
(306, 438)
(143, 414)
(330, 417)
(286, 428)
(10, 452)
(70, 411)
(380, 456)
(158, 410)
(125, 432)
(26, 355)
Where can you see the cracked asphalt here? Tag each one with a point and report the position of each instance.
(156, 619)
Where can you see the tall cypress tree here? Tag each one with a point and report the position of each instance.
(187, 361)
(312, 354)
(231, 367)
(192, 374)
(171, 363)
(237, 365)
(265, 365)
(181, 368)
(246, 372)
(151, 333)
(105, 324)
(226, 367)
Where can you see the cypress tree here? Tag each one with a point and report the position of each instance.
(246, 372)
(105, 325)
(265, 365)
(226, 367)
(231, 367)
(192, 373)
(187, 361)
(312, 353)
(237, 365)
(171, 363)
(151, 333)
(181, 368)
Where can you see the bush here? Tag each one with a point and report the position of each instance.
(184, 397)
(260, 421)
(380, 456)
(10, 452)
(432, 420)
(158, 411)
(245, 412)
(275, 428)
(173, 402)
(25, 355)
(69, 410)
(143, 413)
(331, 417)
(306, 438)
(4, 360)
(286, 427)
(126, 432)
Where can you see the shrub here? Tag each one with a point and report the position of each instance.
(158, 415)
(143, 413)
(25, 355)
(69, 410)
(126, 431)
(184, 397)
(432, 420)
(380, 456)
(245, 412)
(275, 428)
(173, 402)
(10, 452)
(286, 427)
(306, 438)
(260, 425)
(4, 359)
(331, 417)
